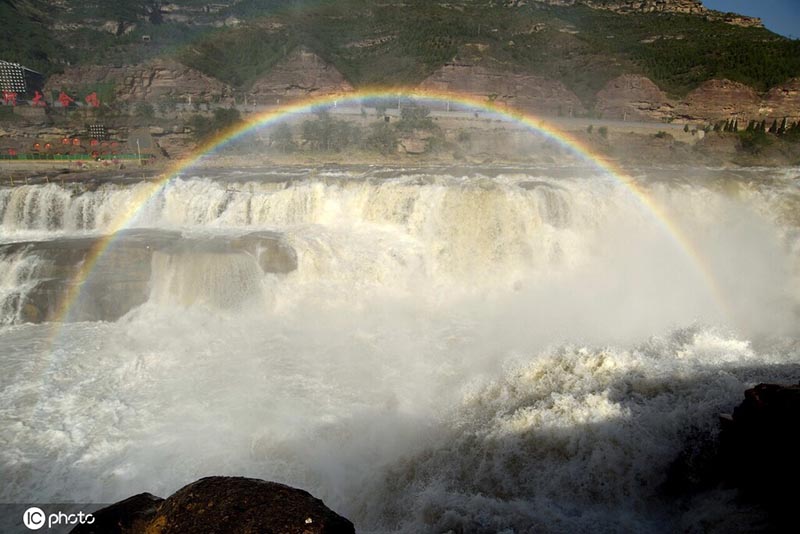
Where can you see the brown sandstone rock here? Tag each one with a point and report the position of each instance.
(633, 97)
(517, 91)
(146, 81)
(720, 100)
(302, 74)
(783, 101)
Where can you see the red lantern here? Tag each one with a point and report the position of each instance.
(76, 142)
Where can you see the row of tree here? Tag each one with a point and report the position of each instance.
(782, 128)
(329, 134)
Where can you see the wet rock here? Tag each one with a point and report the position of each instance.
(130, 515)
(121, 275)
(221, 504)
(759, 447)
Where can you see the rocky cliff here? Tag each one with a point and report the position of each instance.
(160, 78)
(634, 97)
(518, 91)
(638, 98)
(302, 74)
(688, 7)
(783, 101)
(720, 99)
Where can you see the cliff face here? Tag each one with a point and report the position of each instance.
(636, 97)
(783, 101)
(145, 82)
(720, 99)
(633, 97)
(523, 92)
(302, 74)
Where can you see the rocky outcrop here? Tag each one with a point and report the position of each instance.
(121, 278)
(783, 101)
(151, 81)
(302, 74)
(720, 100)
(636, 97)
(518, 91)
(633, 97)
(759, 445)
(687, 7)
(221, 504)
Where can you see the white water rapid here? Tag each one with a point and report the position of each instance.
(496, 350)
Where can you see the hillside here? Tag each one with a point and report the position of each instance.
(583, 44)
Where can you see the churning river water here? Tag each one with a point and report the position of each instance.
(481, 350)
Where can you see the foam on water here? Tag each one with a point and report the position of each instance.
(454, 352)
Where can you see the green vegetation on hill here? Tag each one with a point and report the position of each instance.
(402, 42)
(26, 38)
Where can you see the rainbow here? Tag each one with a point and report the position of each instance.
(565, 140)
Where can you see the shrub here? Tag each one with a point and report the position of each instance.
(282, 139)
(143, 110)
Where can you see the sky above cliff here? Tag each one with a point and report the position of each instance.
(780, 16)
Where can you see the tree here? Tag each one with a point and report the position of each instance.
(382, 138)
(774, 128)
(282, 139)
(782, 129)
(327, 133)
(415, 117)
(143, 110)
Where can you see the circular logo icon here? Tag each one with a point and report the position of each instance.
(33, 518)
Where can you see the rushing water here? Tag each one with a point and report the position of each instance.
(481, 351)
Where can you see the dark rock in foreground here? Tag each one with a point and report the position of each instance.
(760, 449)
(221, 505)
